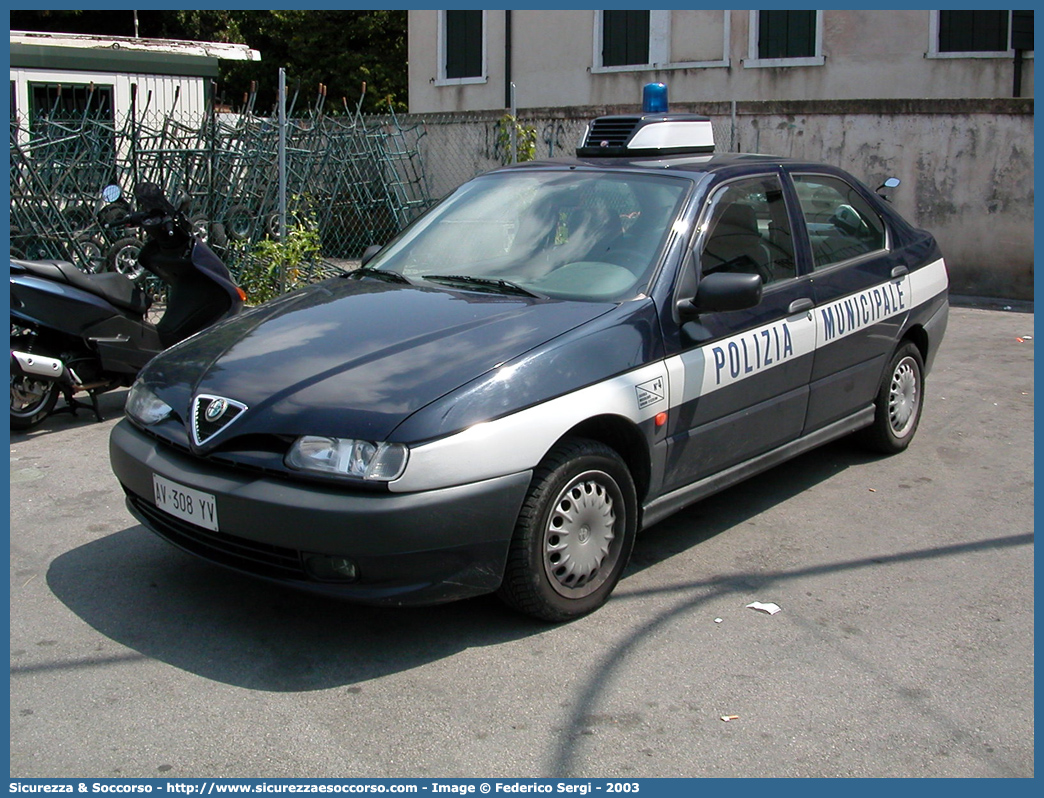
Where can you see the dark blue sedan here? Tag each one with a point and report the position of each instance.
(554, 357)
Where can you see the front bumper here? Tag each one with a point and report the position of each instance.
(414, 548)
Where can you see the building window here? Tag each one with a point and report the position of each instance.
(70, 101)
(462, 45)
(980, 34)
(626, 41)
(973, 31)
(786, 34)
(625, 38)
(785, 38)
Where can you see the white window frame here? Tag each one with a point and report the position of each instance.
(659, 46)
(933, 44)
(753, 62)
(442, 80)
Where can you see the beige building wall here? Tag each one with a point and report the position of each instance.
(705, 56)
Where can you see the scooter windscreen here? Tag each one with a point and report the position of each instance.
(163, 222)
(150, 198)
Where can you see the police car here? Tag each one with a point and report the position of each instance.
(554, 357)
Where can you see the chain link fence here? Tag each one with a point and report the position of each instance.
(353, 180)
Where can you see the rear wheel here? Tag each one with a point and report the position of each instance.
(574, 533)
(898, 404)
(32, 399)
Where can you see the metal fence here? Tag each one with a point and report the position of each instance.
(355, 179)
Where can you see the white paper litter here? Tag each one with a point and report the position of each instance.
(768, 607)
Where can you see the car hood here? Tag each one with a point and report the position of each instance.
(355, 357)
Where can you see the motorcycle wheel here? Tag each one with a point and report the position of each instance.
(32, 400)
(122, 257)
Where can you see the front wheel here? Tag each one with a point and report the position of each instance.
(898, 403)
(32, 400)
(574, 533)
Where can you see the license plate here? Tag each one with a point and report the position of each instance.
(190, 505)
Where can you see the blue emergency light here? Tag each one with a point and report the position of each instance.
(654, 98)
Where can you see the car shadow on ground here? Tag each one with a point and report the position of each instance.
(742, 502)
(169, 606)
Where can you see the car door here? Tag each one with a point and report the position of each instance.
(861, 293)
(739, 379)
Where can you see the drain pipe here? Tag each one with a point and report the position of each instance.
(507, 59)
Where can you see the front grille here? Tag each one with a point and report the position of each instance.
(614, 131)
(263, 559)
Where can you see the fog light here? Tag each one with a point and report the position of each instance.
(331, 568)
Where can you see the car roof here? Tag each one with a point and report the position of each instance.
(693, 165)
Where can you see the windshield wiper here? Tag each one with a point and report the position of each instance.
(503, 286)
(380, 274)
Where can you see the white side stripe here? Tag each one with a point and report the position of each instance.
(928, 282)
(519, 441)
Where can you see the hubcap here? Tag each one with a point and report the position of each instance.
(580, 541)
(126, 262)
(903, 397)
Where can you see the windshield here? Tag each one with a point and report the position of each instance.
(571, 235)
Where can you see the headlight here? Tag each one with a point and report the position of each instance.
(144, 406)
(381, 462)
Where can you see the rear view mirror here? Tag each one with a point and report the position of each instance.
(111, 193)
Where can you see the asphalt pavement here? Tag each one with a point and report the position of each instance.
(904, 646)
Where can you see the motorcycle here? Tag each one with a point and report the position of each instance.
(73, 332)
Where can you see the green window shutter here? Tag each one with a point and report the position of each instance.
(625, 38)
(786, 34)
(973, 31)
(463, 44)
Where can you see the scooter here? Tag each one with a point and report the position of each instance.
(73, 332)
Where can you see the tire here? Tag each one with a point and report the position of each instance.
(218, 237)
(201, 227)
(239, 223)
(32, 400)
(574, 533)
(122, 257)
(899, 402)
(89, 255)
(36, 248)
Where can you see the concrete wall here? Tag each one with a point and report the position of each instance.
(707, 58)
(966, 165)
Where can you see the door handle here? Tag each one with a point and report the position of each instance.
(800, 305)
(899, 271)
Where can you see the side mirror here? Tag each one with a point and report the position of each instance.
(722, 291)
(111, 193)
(369, 252)
(891, 182)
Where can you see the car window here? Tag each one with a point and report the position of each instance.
(748, 231)
(570, 235)
(841, 224)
